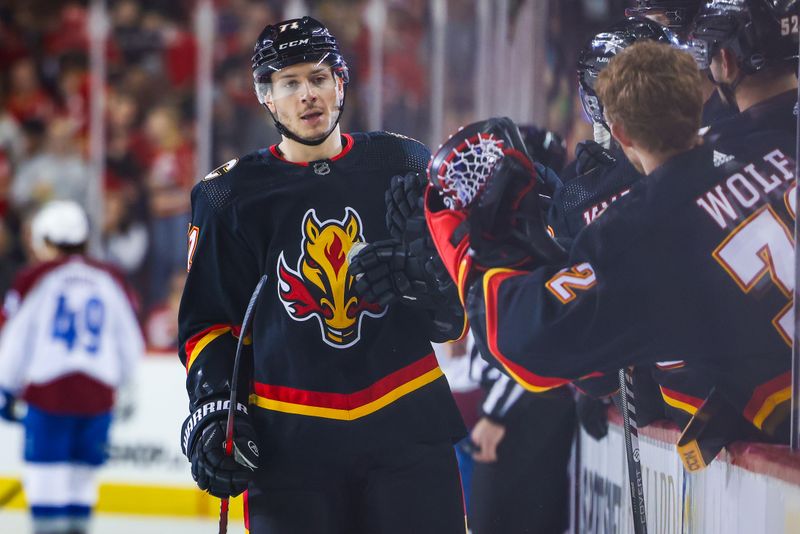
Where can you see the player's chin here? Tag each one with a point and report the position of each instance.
(315, 133)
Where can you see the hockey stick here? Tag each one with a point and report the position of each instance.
(628, 409)
(225, 503)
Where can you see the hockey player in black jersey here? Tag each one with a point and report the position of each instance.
(678, 16)
(601, 173)
(741, 47)
(749, 49)
(668, 270)
(346, 423)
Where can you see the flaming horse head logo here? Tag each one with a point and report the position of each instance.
(321, 286)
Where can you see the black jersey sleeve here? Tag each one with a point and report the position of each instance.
(222, 273)
(559, 323)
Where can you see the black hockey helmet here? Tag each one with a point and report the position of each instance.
(544, 146)
(596, 54)
(293, 41)
(677, 15)
(759, 32)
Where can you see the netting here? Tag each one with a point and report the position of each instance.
(464, 172)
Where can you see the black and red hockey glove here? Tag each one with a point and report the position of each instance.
(203, 443)
(506, 224)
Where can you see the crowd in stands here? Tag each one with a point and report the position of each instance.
(150, 116)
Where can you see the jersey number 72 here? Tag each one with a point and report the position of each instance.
(761, 246)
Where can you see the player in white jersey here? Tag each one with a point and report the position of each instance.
(69, 341)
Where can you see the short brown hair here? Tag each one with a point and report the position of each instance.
(654, 91)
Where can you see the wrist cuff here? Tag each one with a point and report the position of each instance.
(208, 411)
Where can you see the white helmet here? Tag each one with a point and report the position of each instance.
(60, 222)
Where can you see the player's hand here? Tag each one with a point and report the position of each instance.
(216, 472)
(386, 271)
(10, 408)
(593, 415)
(404, 213)
(590, 155)
(487, 436)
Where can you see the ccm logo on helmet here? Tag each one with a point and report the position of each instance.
(293, 43)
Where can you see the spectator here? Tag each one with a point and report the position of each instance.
(170, 176)
(58, 172)
(124, 239)
(27, 99)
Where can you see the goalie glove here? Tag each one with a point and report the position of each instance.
(203, 443)
(506, 224)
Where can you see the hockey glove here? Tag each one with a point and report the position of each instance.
(203, 444)
(10, 409)
(506, 224)
(404, 218)
(590, 155)
(449, 231)
(593, 415)
(386, 271)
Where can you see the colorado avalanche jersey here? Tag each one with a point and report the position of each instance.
(320, 354)
(71, 337)
(695, 263)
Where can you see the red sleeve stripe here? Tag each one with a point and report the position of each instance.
(681, 401)
(199, 341)
(530, 381)
(348, 406)
(767, 397)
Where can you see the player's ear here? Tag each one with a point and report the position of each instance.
(619, 133)
(730, 68)
(339, 87)
(269, 102)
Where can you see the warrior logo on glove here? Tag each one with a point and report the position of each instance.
(321, 286)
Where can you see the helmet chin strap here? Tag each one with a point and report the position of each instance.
(286, 132)
(728, 90)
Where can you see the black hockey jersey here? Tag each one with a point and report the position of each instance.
(585, 195)
(776, 113)
(716, 109)
(684, 388)
(674, 269)
(318, 350)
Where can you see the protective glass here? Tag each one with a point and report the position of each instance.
(318, 81)
(262, 80)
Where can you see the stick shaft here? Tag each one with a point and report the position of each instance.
(628, 409)
(225, 503)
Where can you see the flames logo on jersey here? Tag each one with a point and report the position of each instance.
(321, 286)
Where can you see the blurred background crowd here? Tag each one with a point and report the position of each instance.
(151, 75)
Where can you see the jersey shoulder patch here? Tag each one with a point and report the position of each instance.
(218, 185)
(222, 169)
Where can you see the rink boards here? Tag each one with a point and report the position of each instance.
(751, 488)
